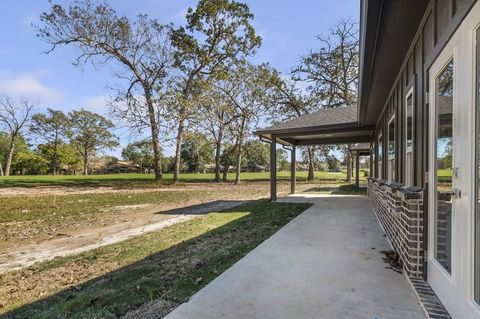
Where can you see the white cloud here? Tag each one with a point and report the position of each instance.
(179, 17)
(29, 86)
(29, 21)
(98, 104)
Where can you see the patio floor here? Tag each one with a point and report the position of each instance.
(324, 264)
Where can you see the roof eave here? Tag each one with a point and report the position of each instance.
(370, 13)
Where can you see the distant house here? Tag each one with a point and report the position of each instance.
(419, 110)
(118, 167)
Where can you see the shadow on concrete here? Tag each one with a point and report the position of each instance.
(350, 189)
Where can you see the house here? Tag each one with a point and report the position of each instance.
(419, 110)
(118, 167)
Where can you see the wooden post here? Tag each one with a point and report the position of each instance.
(357, 169)
(273, 169)
(370, 174)
(293, 171)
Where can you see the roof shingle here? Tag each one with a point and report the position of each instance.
(323, 117)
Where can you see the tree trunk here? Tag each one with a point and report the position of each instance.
(157, 156)
(238, 169)
(85, 166)
(85, 161)
(349, 165)
(311, 170)
(10, 156)
(55, 156)
(218, 154)
(178, 150)
(1, 168)
(225, 171)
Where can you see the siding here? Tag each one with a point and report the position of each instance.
(439, 23)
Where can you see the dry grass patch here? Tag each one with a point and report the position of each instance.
(168, 265)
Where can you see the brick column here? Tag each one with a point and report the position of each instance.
(400, 211)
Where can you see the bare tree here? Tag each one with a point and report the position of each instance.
(291, 101)
(216, 114)
(248, 91)
(141, 48)
(332, 72)
(14, 116)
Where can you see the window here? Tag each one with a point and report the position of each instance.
(444, 87)
(372, 160)
(380, 156)
(409, 118)
(391, 150)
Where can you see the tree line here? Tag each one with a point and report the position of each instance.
(190, 86)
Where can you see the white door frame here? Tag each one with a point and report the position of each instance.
(470, 308)
(445, 285)
(462, 47)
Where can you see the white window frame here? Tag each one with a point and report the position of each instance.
(409, 170)
(390, 173)
(380, 155)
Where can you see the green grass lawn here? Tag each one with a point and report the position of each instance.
(28, 217)
(138, 180)
(168, 266)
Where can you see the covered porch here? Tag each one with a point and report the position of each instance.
(324, 127)
(326, 263)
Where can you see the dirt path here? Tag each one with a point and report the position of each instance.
(64, 190)
(152, 218)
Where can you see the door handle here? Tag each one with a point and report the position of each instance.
(455, 192)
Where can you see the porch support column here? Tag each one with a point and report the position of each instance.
(293, 170)
(357, 169)
(370, 174)
(273, 169)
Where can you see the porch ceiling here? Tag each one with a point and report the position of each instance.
(326, 126)
(387, 30)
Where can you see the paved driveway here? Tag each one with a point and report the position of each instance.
(324, 264)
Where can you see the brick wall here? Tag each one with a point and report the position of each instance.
(400, 211)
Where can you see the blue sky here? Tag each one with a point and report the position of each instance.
(288, 29)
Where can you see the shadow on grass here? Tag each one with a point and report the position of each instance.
(349, 189)
(170, 274)
(200, 209)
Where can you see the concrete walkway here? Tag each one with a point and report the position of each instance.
(324, 264)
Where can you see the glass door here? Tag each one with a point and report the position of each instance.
(454, 181)
(443, 193)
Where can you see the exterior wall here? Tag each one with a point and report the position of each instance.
(440, 21)
(400, 211)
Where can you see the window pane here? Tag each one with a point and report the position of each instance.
(444, 151)
(409, 140)
(409, 123)
(380, 156)
(391, 150)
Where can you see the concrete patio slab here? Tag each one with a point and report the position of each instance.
(324, 264)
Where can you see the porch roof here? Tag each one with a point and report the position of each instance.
(326, 126)
(387, 29)
(361, 149)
